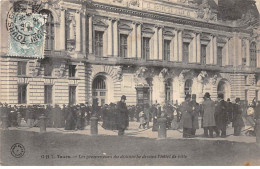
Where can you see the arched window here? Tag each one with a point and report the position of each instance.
(188, 87)
(49, 30)
(253, 54)
(99, 89)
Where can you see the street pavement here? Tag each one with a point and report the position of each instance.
(138, 147)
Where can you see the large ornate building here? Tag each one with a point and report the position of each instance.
(149, 50)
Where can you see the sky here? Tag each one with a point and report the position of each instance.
(258, 4)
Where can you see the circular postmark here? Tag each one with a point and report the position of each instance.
(17, 150)
(24, 23)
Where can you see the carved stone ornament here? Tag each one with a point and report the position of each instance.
(205, 12)
(37, 68)
(202, 76)
(214, 79)
(119, 72)
(127, 3)
(140, 76)
(62, 70)
(183, 74)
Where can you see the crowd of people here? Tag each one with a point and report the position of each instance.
(214, 115)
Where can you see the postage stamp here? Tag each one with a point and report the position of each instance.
(26, 34)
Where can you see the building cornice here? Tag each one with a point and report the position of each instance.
(164, 17)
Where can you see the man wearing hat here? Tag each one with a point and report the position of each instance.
(229, 110)
(195, 114)
(122, 116)
(208, 111)
(238, 122)
(221, 115)
(186, 110)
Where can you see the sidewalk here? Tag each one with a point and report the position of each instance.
(134, 131)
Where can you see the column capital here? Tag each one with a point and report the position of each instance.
(90, 15)
(158, 26)
(179, 29)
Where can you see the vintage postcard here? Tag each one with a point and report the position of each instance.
(130, 83)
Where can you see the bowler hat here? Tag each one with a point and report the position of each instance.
(237, 100)
(207, 95)
(123, 97)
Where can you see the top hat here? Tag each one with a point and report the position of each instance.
(207, 95)
(123, 97)
(237, 100)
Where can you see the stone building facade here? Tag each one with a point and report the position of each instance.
(149, 50)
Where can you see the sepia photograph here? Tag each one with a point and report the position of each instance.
(130, 83)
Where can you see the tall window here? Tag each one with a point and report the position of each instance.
(146, 48)
(21, 68)
(246, 93)
(22, 90)
(186, 52)
(99, 90)
(47, 94)
(49, 28)
(253, 54)
(99, 43)
(123, 46)
(219, 53)
(188, 87)
(167, 50)
(72, 70)
(72, 95)
(203, 54)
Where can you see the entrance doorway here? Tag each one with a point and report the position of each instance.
(99, 90)
(223, 87)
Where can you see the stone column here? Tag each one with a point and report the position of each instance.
(78, 31)
(180, 45)
(198, 48)
(134, 40)
(155, 39)
(239, 51)
(139, 41)
(227, 52)
(247, 52)
(175, 56)
(90, 34)
(83, 18)
(115, 28)
(211, 58)
(110, 38)
(160, 43)
(215, 46)
(194, 49)
(62, 29)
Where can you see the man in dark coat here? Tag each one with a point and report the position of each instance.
(238, 122)
(229, 110)
(221, 116)
(186, 110)
(122, 116)
(195, 114)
